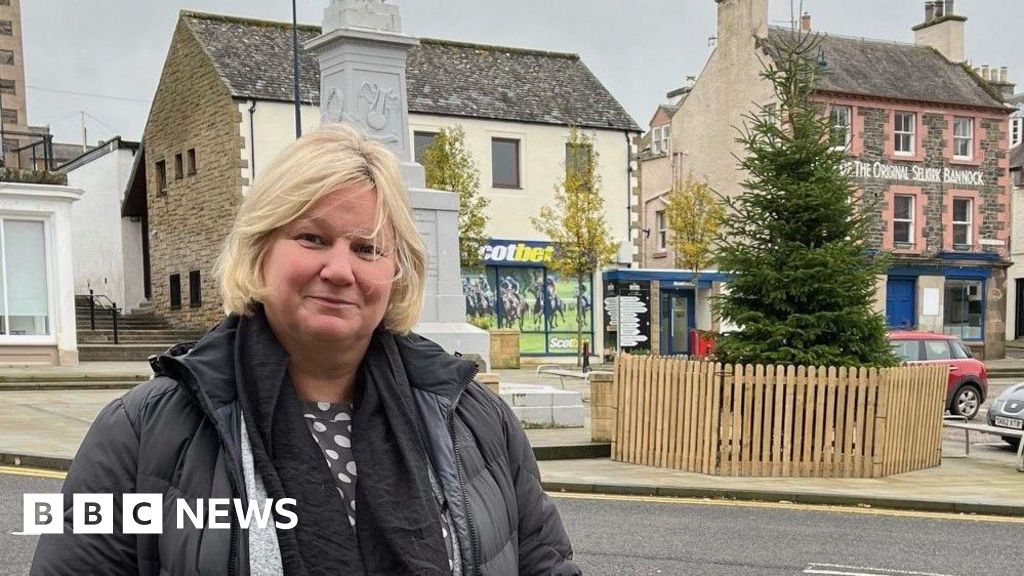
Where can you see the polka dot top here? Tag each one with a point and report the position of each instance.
(331, 425)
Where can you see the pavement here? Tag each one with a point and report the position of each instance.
(45, 412)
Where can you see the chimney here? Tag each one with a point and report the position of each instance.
(805, 22)
(998, 79)
(740, 21)
(942, 30)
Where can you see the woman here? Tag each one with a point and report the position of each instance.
(315, 389)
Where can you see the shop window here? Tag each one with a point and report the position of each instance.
(905, 133)
(192, 166)
(963, 138)
(421, 141)
(661, 230)
(963, 309)
(179, 167)
(903, 221)
(505, 163)
(545, 308)
(842, 127)
(24, 301)
(161, 177)
(195, 289)
(175, 290)
(963, 225)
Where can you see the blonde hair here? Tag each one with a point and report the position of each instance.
(331, 158)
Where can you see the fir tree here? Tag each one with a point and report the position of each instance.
(797, 241)
(450, 166)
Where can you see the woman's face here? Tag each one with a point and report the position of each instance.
(327, 282)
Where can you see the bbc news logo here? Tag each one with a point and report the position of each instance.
(144, 513)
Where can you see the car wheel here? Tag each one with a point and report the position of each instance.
(966, 402)
(1012, 441)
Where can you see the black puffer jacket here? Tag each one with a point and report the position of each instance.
(179, 435)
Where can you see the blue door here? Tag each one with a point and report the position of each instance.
(678, 317)
(899, 302)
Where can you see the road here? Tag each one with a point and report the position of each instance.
(625, 535)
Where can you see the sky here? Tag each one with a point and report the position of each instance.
(97, 62)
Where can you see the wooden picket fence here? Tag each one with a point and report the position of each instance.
(788, 421)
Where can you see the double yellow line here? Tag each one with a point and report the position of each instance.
(33, 472)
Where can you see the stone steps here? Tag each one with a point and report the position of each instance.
(119, 352)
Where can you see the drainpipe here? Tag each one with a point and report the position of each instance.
(252, 142)
(629, 196)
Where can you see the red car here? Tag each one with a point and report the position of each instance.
(968, 378)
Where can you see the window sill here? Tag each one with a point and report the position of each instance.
(505, 187)
(28, 340)
(660, 254)
(964, 161)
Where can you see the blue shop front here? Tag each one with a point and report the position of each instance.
(657, 311)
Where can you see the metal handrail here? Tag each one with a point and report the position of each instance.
(115, 312)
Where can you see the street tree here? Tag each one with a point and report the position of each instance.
(575, 220)
(797, 242)
(695, 217)
(450, 166)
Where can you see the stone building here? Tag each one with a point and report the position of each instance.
(1015, 296)
(13, 110)
(224, 108)
(927, 143)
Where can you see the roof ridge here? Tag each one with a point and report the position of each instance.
(195, 14)
(497, 47)
(852, 37)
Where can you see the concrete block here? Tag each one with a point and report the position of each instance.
(568, 416)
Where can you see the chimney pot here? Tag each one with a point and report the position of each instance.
(937, 9)
(805, 22)
(929, 11)
(1004, 74)
(949, 8)
(984, 72)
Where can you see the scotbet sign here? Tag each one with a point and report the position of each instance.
(517, 253)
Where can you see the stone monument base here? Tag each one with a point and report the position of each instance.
(458, 337)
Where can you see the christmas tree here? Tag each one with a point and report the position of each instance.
(797, 241)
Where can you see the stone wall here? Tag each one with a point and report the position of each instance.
(602, 407)
(189, 222)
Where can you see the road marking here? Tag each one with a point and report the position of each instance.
(34, 472)
(793, 506)
(842, 570)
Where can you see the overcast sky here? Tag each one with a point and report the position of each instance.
(103, 57)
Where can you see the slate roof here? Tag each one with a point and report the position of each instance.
(895, 70)
(1017, 157)
(443, 77)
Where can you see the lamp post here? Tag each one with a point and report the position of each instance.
(295, 70)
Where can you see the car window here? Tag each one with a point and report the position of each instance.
(936, 350)
(907, 350)
(959, 352)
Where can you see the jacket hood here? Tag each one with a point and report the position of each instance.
(211, 362)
